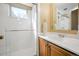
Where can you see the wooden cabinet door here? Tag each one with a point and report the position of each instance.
(54, 51)
(42, 47)
(57, 51)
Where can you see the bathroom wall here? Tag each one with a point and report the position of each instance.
(46, 17)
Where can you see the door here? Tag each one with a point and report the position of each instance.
(16, 29)
(19, 33)
(42, 47)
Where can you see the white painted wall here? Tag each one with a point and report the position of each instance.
(3, 17)
(15, 43)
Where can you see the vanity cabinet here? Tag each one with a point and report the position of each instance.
(47, 48)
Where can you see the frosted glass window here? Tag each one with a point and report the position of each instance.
(19, 13)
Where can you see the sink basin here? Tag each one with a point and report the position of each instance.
(71, 41)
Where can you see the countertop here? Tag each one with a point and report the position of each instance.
(69, 43)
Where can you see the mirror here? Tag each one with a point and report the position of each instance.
(66, 16)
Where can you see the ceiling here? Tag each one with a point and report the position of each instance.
(67, 6)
